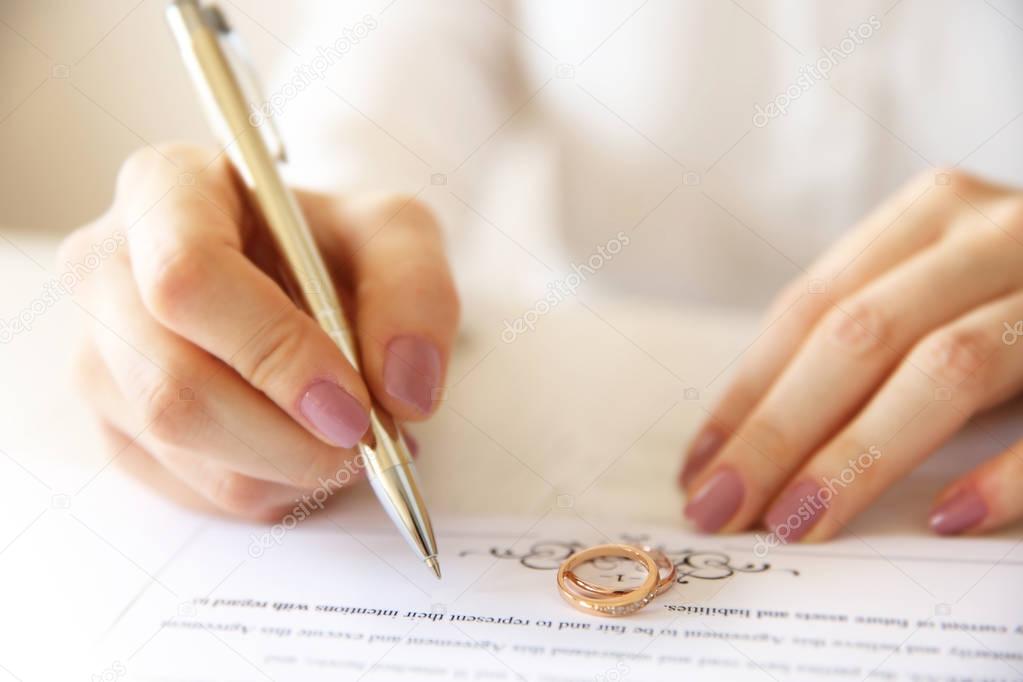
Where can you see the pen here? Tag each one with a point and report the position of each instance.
(230, 97)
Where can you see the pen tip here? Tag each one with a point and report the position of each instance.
(432, 563)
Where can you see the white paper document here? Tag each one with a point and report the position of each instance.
(542, 447)
(332, 602)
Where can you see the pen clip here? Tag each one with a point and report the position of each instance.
(189, 16)
(241, 62)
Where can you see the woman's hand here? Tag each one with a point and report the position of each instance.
(892, 341)
(197, 356)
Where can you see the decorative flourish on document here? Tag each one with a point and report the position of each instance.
(698, 564)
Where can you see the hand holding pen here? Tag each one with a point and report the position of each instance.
(212, 383)
(226, 390)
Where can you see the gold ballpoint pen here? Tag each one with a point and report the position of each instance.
(227, 89)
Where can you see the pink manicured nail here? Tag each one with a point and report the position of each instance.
(334, 413)
(717, 501)
(704, 447)
(959, 513)
(796, 511)
(412, 371)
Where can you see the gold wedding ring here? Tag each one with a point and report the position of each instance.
(616, 603)
(666, 569)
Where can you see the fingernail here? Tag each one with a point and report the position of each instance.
(717, 501)
(704, 447)
(412, 371)
(959, 513)
(796, 511)
(334, 413)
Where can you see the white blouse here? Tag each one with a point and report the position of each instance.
(730, 142)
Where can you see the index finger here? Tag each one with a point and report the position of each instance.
(187, 258)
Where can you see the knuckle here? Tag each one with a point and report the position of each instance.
(84, 238)
(766, 439)
(173, 414)
(183, 153)
(239, 494)
(952, 356)
(787, 297)
(272, 351)
(1008, 214)
(397, 202)
(797, 306)
(426, 281)
(174, 283)
(738, 401)
(156, 400)
(139, 164)
(145, 161)
(919, 182)
(857, 326)
(951, 177)
(413, 211)
(924, 178)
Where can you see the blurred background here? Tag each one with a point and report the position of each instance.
(599, 115)
(84, 84)
(540, 130)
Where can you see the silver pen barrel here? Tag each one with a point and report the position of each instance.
(393, 477)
